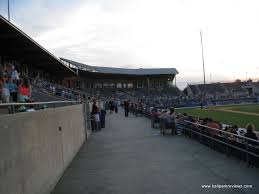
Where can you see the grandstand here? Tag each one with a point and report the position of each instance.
(133, 82)
(236, 89)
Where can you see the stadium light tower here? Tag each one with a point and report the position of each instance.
(203, 65)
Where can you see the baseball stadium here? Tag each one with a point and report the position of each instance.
(70, 127)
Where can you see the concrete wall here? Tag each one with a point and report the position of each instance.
(36, 148)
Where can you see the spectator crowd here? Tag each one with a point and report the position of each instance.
(13, 87)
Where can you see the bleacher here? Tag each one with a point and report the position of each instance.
(39, 96)
(194, 89)
(45, 91)
(235, 88)
(49, 89)
(212, 88)
(170, 92)
(219, 90)
(173, 92)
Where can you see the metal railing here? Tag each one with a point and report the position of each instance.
(36, 105)
(246, 144)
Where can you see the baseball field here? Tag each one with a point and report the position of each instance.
(234, 115)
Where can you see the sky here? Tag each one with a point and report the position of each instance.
(148, 34)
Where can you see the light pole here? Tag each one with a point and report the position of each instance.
(203, 65)
(8, 11)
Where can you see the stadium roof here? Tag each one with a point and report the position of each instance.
(113, 70)
(17, 45)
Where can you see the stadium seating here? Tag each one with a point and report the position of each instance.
(212, 88)
(54, 89)
(235, 88)
(173, 92)
(218, 90)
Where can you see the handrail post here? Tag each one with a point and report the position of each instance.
(200, 135)
(211, 142)
(12, 109)
(226, 136)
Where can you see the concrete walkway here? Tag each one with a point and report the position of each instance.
(128, 157)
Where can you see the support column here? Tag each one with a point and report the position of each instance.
(26, 70)
(1, 62)
(82, 84)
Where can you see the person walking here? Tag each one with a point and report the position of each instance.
(116, 106)
(111, 106)
(126, 108)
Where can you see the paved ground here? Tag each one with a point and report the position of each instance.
(128, 157)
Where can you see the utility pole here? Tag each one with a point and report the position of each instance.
(203, 65)
(8, 11)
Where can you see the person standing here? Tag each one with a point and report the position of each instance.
(96, 116)
(250, 132)
(169, 120)
(12, 88)
(107, 106)
(24, 91)
(126, 108)
(14, 73)
(4, 90)
(212, 126)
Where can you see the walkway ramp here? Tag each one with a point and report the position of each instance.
(128, 157)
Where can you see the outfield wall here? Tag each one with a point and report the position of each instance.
(37, 147)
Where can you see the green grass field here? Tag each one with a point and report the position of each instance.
(246, 108)
(220, 114)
